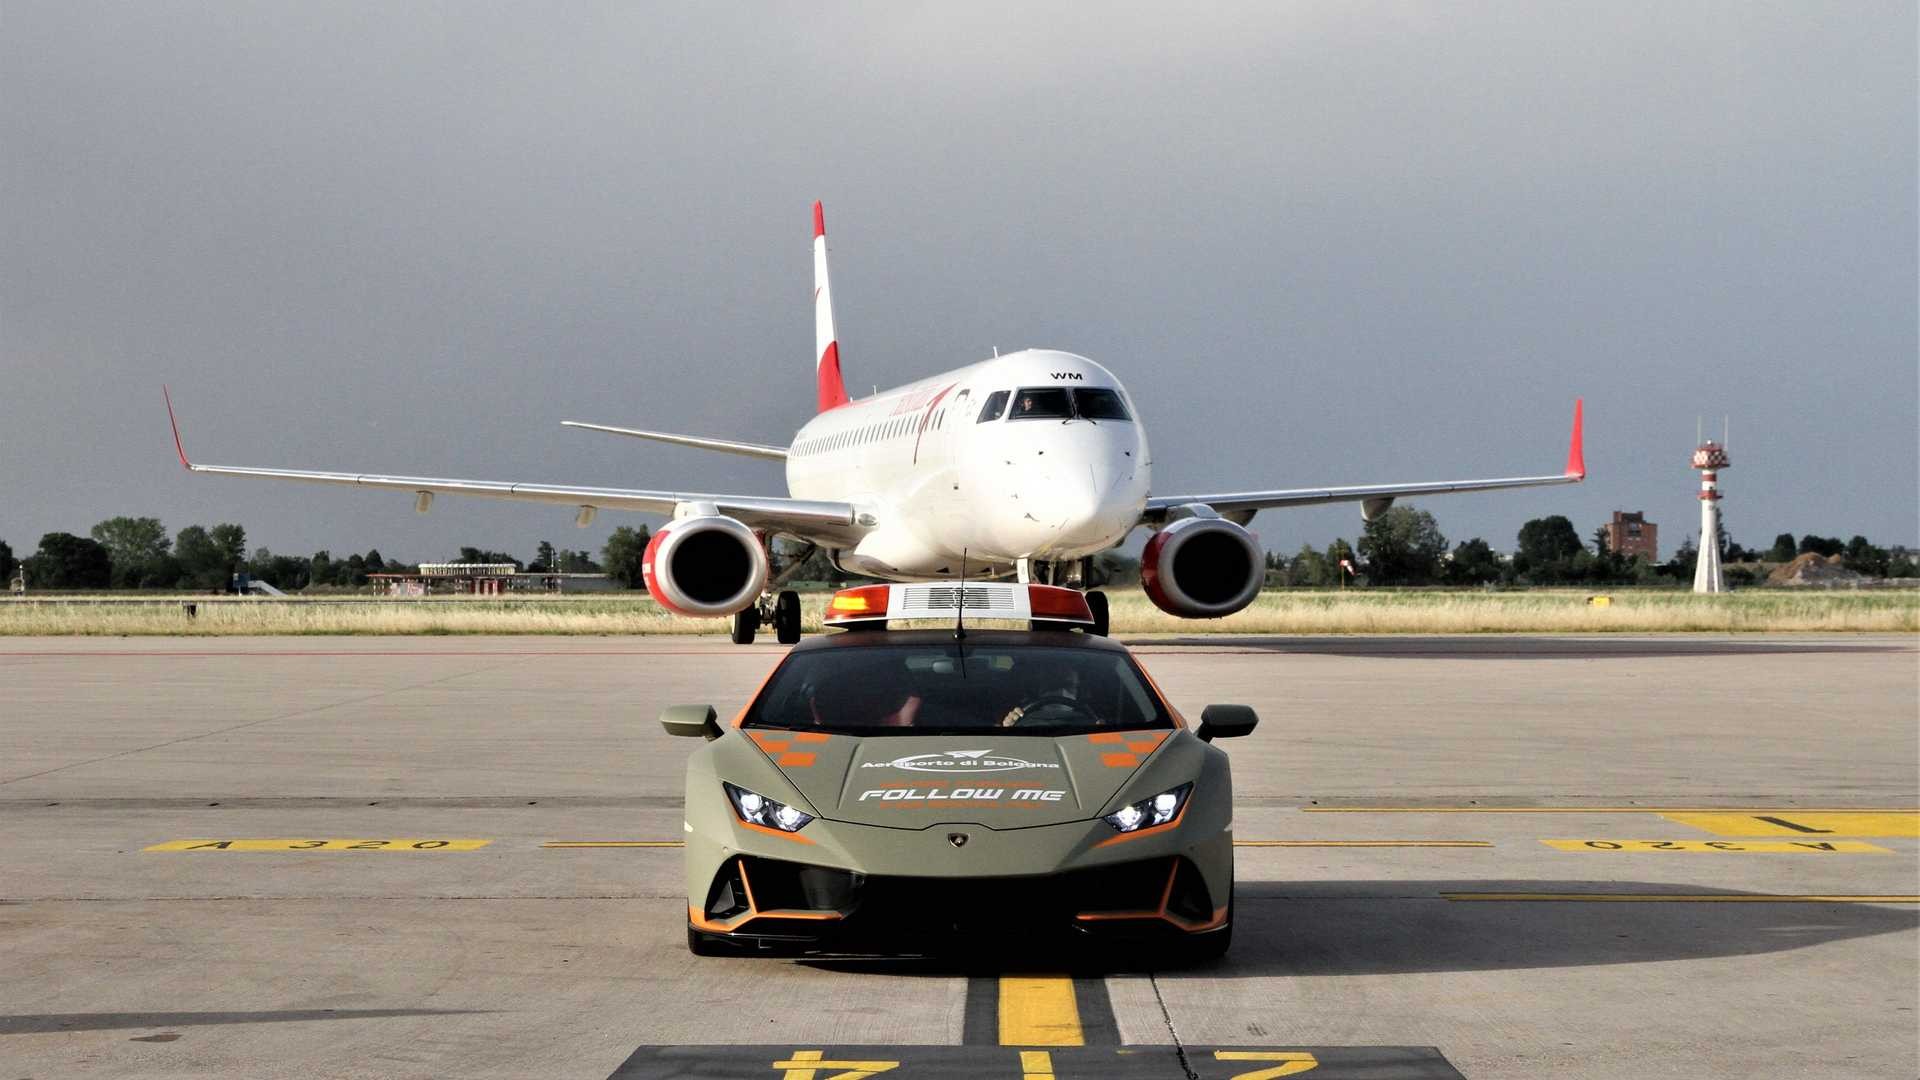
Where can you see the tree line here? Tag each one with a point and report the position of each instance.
(1404, 546)
(138, 553)
(1401, 546)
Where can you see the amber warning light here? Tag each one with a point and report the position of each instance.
(983, 600)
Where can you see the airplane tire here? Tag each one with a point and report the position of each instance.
(786, 618)
(745, 622)
(1097, 603)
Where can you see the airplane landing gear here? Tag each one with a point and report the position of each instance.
(783, 613)
(1097, 603)
(786, 618)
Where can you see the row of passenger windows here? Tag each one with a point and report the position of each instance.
(1055, 403)
(899, 427)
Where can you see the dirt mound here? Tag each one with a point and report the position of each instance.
(1819, 571)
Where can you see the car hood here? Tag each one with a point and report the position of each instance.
(999, 781)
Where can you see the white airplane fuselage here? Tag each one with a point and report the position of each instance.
(941, 482)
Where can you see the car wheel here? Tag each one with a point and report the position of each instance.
(745, 622)
(786, 618)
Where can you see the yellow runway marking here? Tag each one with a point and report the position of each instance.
(1294, 1062)
(1787, 847)
(1807, 823)
(1036, 1065)
(1363, 843)
(810, 1064)
(614, 843)
(1039, 1012)
(300, 844)
(1702, 898)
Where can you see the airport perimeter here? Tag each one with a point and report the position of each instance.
(1570, 856)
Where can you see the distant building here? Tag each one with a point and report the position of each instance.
(1633, 534)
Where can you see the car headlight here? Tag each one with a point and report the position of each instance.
(756, 809)
(1147, 813)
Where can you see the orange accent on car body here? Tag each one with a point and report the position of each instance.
(811, 736)
(699, 921)
(800, 759)
(781, 833)
(1136, 746)
(1162, 913)
(1146, 744)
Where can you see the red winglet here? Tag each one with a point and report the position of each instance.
(181, 450)
(1576, 457)
(819, 220)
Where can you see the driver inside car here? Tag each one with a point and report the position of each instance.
(1060, 691)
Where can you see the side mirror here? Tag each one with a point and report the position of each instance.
(1226, 722)
(691, 721)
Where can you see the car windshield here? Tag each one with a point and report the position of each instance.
(957, 688)
(1041, 403)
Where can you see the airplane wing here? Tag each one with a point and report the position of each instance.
(1374, 497)
(725, 446)
(835, 523)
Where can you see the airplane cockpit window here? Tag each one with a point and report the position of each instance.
(1042, 403)
(1098, 403)
(996, 404)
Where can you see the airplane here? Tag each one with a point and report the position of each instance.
(1026, 465)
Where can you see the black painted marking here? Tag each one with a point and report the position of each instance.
(981, 1026)
(982, 1023)
(1785, 824)
(1097, 1024)
(1003, 1062)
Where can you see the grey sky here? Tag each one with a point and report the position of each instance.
(1321, 243)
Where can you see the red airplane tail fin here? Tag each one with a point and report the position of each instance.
(826, 342)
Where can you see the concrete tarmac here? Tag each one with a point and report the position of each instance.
(1490, 857)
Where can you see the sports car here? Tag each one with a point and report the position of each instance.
(904, 790)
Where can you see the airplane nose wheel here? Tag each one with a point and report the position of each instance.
(1097, 603)
(786, 618)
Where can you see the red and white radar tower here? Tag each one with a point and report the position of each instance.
(1709, 458)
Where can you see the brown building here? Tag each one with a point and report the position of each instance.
(1633, 534)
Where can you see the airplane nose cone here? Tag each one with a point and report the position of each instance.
(1088, 509)
(1082, 492)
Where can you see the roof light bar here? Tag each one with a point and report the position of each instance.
(976, 600)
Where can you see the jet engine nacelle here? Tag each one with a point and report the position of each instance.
(1202, 568)
(706, 566)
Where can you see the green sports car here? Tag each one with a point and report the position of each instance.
(897, 791)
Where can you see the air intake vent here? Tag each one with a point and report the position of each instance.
(984, 599)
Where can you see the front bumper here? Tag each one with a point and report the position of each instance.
(913, 890)
(761, 901)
